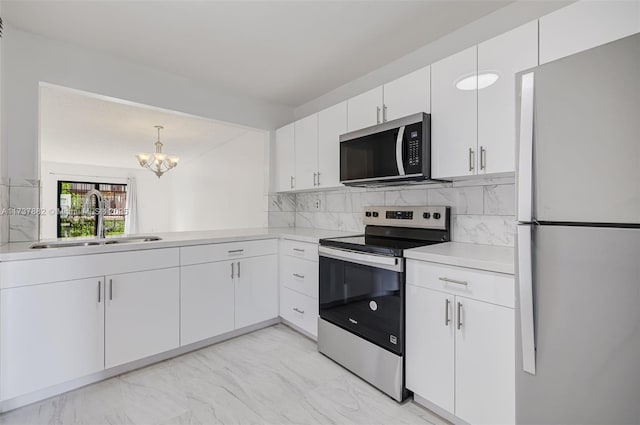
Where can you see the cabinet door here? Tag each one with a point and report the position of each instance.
(586, 24)
(206, 301)
(306, 152)
(332, 122)
(256, 290)
(430, 345)
(51, 333)
(505, 55)
(284, 158)
(485, 363)
(408, 95)
(142, 317)
(454, 115)
(365, 109)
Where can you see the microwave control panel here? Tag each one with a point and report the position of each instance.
(413, 154)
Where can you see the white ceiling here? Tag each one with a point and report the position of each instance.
(81, 129)
(286, 52)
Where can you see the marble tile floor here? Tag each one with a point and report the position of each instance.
(271, 376)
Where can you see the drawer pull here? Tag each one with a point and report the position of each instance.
(457, 282)
(297, 310)
(299, 276)
(236, 251)
(298, 250)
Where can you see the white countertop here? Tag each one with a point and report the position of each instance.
(484, 257)
(21, 251)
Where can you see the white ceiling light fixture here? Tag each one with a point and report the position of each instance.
(158, 162)
(477, 81)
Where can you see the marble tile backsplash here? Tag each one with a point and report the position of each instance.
(22, 194)
(482, 209)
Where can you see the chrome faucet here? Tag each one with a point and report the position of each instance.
(100, 206)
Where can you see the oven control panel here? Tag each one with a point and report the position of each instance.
(426, 217)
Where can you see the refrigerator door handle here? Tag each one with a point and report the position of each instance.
(525, 150)
(525, 288)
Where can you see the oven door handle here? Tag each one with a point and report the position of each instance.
(380, 261)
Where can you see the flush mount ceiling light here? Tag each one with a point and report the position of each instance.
(479, 81)
(158, 162)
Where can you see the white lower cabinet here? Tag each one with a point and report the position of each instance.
(142, 315)
(430, 345)
(51, 333)
(485, 363)
(460, 351)
(300, 310)
(256, 290)
(206, 300)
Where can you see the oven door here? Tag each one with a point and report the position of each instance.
(364, 294)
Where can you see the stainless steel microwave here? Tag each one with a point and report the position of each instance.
(389, 153)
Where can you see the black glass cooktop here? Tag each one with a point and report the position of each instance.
(375, 244)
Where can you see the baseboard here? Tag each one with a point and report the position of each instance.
(438, 410)
(58, 389)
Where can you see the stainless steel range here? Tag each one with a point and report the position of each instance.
(362, 292)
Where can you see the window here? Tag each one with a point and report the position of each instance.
(71, 221)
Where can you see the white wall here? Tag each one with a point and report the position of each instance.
(223, 188)
(153, 193)
(30, 59)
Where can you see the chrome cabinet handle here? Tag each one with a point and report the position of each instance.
(236, 251)
(318, 178)
(483, 158)
(298, 250)
(99, 291)
(314, 179)
(238, 269)
(291, 182)
(384, 113)
(297, 310)
(299, 276)
(471, 159)
(110, 289)
(459, 315)
(457, 282)
(446, 312)
(377, 115)
(232, 269)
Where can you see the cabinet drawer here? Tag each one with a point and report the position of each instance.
(481, 285)
(227, 251)
(300, 275)
(300, 310)
(306, 250)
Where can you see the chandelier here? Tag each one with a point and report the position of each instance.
(158, 162)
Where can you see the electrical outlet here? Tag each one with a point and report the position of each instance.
(317, 204)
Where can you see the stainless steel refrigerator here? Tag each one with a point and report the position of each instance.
(578, 238)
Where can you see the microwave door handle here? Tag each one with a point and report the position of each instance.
(399, 157)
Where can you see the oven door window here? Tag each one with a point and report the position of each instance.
(365, 300)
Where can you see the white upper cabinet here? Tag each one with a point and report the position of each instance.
(454, 115)
(365, 109)
(407, 95)
(586, 24)
(332, 122)
(306, 152)
(503, 56)
(284, 158)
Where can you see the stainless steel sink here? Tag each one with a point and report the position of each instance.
(92, 242)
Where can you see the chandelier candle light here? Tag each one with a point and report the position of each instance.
(158, 162)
